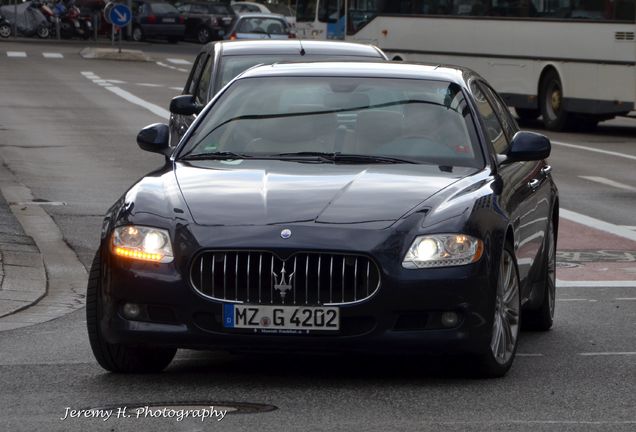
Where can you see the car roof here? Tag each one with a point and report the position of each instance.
(293, 46)
(454, 74)
(261, 15)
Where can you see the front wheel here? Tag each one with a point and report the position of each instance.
(498, 358)
(137, 34)
(43, 32)
(5, 30)
(118, 357)
(203, 35)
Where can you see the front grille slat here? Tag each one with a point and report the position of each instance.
(303, 278)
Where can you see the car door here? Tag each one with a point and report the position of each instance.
(516, 198)
(179, 124)
(186, 11)
(539, 184)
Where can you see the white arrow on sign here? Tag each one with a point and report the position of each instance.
(122, 17)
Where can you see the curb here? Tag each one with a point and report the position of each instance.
(91, 53)
(42, 277)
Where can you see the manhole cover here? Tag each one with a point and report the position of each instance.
(211, 410)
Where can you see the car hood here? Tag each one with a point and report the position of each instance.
(260, 192)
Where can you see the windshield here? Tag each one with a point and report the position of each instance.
(163, 8)
(233, 65)
(418, 121)
(261, 25)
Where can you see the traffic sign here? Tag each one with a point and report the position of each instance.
(120, 15)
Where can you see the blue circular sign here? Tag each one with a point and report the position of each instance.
(120, 15)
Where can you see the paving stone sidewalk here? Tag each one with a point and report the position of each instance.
(22, 274)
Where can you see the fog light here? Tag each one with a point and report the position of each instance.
(449, 319)
(131, 310)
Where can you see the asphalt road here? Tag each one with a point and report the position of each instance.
(68, 136)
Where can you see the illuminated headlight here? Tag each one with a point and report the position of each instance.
(443, 250)
(142, 243)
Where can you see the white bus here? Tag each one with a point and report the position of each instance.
(571, 61)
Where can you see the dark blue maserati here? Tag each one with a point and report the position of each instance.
(330, 207)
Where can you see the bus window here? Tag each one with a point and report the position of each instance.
(306, 10)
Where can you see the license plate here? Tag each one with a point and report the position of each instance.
(281, 317)
(168, 20)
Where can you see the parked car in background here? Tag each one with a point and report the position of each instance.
(275, 8)
(206, 21)
(157, 20)
(260, 26)
(218, 63)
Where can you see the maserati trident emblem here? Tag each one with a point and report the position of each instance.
(283, 284)
(286, 233)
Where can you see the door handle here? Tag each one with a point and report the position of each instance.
(546, 170)
(533, 184)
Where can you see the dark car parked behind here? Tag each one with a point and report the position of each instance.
(206, 21)
(156, 19)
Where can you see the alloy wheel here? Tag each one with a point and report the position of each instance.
(203, 35)
(505, 329)
(137, 35)
(5, 31)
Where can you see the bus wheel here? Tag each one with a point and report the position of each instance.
(551, 102)
(527, 113)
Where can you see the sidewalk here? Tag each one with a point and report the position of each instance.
(22, 274)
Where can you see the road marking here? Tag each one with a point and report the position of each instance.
(149, 85)
(629, 227)
(16, 54)
(608, 353)
(596, 284)
(181, 88)
(598, 224)
(53, 55)
(595, 150)
(572, 300)
(178, 61)
(608, 182)
(625, 298)
(172, 67)
(155, 109)
(116, 81)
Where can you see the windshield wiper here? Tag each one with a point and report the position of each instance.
(307, 155)
(216, 155)
(361, 158)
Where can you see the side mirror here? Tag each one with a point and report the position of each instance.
(527, 146)
(155, 138)
(185, 105)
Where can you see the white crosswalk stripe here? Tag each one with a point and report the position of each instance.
(16, 54)
(53, 55)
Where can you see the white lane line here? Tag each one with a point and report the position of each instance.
(172, 67)
(625, 298)
(116, 81)
(16, 54)
(595, 150)
(155, 109)
(572, 300)
(149, 85)
(629, 227)
(596, 284)
(608, 353)
(598, 224)
(178, 61)
(181, 88)
(53, 55)
(608, 182)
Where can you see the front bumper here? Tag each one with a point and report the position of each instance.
(403, 315)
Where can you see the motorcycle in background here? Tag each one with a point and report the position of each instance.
(29, 19)
(72, 23)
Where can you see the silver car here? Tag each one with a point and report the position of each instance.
(260, 26)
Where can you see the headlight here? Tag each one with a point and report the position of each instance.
(142, 243)
(443, 250)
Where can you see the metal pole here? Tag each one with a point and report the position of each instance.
(129, 26)
(121, 29)
(112, 35)
(57, 27)
(15, 19)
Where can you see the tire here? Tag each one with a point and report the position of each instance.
(527, 113)
(5, 31)
(43, 32)
(497, 358)
(137, 34)
(118, 357)
(542, 319)
(204, 35)
(551, 102)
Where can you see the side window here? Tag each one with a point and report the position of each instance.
(507, 121)
(494, 130)
(184, 8)
(195, 74)
(204, 82)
